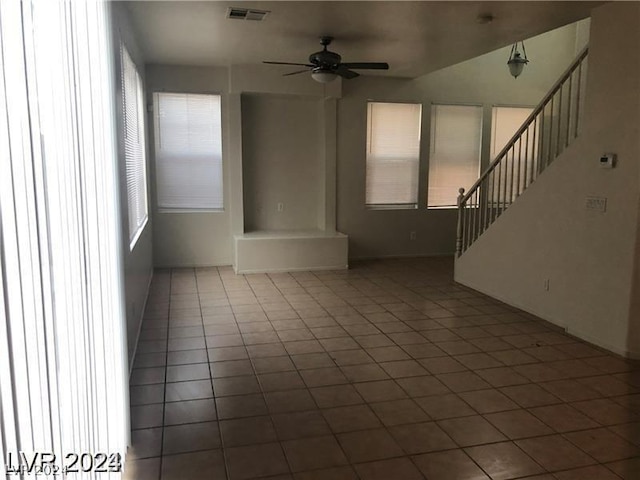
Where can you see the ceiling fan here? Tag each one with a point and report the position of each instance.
(326, 66)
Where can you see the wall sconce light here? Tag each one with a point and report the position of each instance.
(516, 62)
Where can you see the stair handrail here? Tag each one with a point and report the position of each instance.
(462, 199)
(483, 203)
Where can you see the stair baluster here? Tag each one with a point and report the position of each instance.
(550, 128)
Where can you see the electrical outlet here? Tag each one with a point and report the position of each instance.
(412, 236)
(280, 206)
(546, 284)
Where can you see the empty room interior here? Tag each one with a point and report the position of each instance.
(320, 240)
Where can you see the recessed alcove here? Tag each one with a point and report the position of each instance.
(288, 185)
(282, 156)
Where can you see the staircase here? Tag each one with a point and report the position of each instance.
(551, 127)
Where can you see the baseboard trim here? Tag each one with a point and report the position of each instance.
(294, 269)
(193, 265)
(611, 348)
(509, 302)
(403, 255)
(571, 331)
(142, 312)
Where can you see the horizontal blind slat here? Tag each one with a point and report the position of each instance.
(134, 146)
(393, 152)
(454, 162)
(189, 151)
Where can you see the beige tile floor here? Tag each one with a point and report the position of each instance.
(387, 371)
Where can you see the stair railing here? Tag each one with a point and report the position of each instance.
(550, 128)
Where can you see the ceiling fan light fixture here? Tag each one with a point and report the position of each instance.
(326, 66)
(323, 76)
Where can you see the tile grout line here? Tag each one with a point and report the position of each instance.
(206, 347)
(262, 393)
(166, 368)
(288, 355)
(447, 326)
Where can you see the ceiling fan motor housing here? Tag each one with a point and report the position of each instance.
(325, 59)
(326, 66)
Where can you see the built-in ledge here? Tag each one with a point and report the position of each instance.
(289, 251)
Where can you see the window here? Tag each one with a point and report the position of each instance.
(454, 162)
(505, 123)
(188, 151)
(393, 152)
(134, 147)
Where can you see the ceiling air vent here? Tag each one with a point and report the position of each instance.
(246, 14)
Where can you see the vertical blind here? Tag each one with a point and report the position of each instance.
(62, 342)
(188, 140)
(454, 161)
(393, 152)
(134, 146)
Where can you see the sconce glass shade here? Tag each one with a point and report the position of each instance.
(323, 76)
(516, 65)
(516, 62)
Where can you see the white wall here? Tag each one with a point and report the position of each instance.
(197, 239)
(207, 238)
(281, 155)
(484, 80)
(588, 257)
(633, 329)
(137, 263)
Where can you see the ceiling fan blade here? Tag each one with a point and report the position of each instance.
(346, 73)
(366, 65)
(295, 73)
(288, 63)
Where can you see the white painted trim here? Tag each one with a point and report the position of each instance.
(224, 263)
(508, 302)
(405, 255)
(289, 234)
(295, 269)
(570, 331)
(635, 355)
(142, 311)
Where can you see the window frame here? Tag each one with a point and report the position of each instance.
(142, 192)
(481, 133)
(492, 132)
(156, 136)
(493, 153)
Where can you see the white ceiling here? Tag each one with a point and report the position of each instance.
(413, 37)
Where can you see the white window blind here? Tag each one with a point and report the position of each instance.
(134, 147)
(188, 139)
(63, 375)
(505, 123)
(454, 161)
(393, 153)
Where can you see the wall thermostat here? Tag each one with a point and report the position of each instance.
(607, 160)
